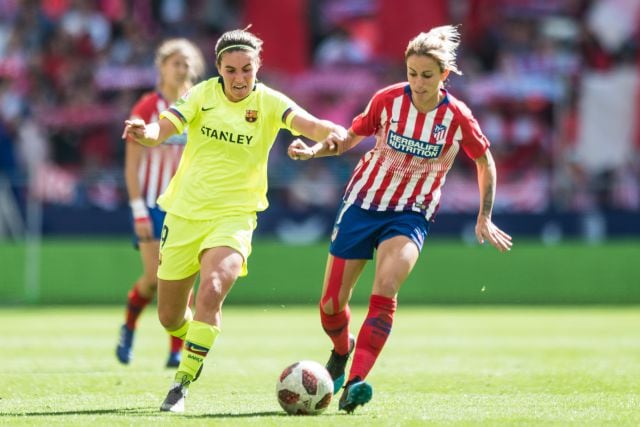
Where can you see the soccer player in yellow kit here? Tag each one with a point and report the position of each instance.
(147, 173)
(221, 183)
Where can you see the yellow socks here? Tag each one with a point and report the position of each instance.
(181, 332)
(197, 342)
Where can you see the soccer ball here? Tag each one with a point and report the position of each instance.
(304, 388)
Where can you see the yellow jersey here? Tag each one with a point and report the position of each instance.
(224, 164)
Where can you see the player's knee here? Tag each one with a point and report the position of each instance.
(329, 306)
(170, 320)
(326, 307)
(149, 282)
(218, 282)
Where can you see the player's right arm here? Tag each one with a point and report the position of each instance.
(149, 134)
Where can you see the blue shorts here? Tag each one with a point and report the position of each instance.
(358, 232)
(156, 216)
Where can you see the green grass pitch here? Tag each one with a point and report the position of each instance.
(442, 366)
(98, 271)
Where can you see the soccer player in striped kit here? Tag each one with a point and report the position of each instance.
(213, 199)
(148, 171)
(393, 195)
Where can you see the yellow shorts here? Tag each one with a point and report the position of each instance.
(183, 240)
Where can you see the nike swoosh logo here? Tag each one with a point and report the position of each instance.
(206, 109)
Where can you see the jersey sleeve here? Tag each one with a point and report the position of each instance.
(145, 108)
(185, 108)
(473, 141)
(368, 122)
(284, 110)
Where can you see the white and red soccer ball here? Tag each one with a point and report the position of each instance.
(304, 388)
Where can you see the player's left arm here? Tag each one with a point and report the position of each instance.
(299, 150)
(325, 132)
(485, 228)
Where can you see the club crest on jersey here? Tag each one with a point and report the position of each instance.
(415, 147)
(251, 115)
(439, 131)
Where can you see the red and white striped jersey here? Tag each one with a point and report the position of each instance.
(406, 169)
(158, 164)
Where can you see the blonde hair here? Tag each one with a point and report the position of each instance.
(440, 43)
(185, 47)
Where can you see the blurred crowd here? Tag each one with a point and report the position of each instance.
(553, 83)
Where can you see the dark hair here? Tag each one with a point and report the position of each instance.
(238, 40)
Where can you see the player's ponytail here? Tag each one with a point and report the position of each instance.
(440, 43)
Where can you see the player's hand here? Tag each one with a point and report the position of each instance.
(134, 128)
(298, 150)
(143, 229)
(337, 137)
(486, 229)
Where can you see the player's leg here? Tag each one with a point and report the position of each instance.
(341, 276)
(178, 267)
(140, 295)
(400, 241)
(173, 305)
(223, 253)
(395, 259)
(220, 269)
(352, 245)
(176, 343)
(175, 316)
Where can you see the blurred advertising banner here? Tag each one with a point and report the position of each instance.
(52, 184)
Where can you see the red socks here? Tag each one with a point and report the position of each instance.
(134, 307)
(337, 327)
(176, 344)
(373, 335)
(135, 304)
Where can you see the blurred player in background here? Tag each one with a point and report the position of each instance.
(393, 194)
(219, 187)
(148, 171)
